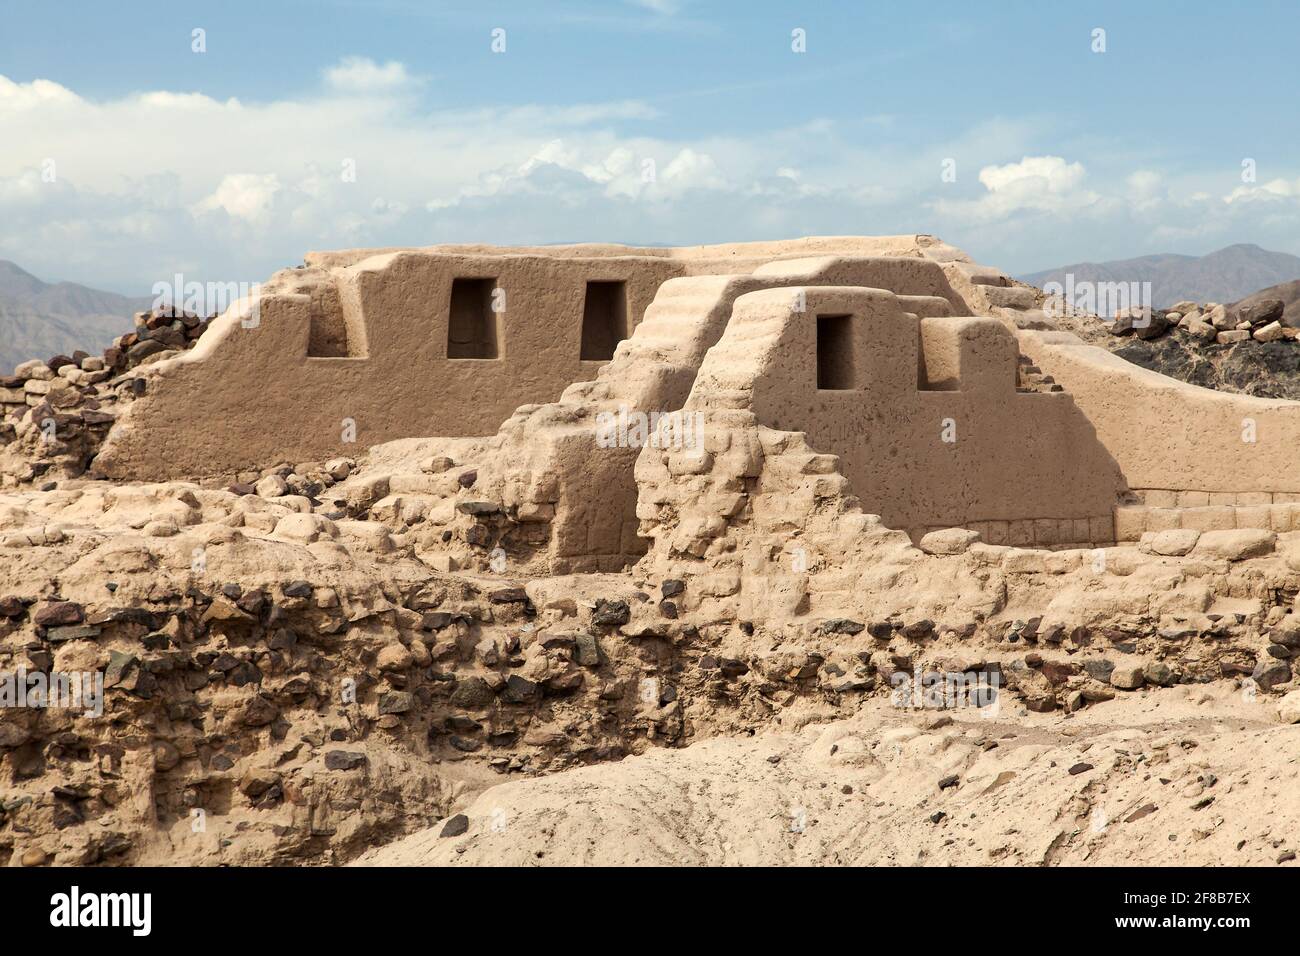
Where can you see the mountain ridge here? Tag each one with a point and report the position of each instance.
(39, 319)
(1225, 275)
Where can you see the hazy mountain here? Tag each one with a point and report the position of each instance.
(1224, 276)
(41, 319)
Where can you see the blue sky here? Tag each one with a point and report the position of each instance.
(125, 156)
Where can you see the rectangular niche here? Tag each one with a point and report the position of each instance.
(604, 320)
(835, 352)
(473, 329)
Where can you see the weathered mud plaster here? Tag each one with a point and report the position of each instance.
(927, 423)
(548, 468)
(1166, 434)
(354, 350)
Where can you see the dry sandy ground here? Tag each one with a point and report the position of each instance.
(1188, 776)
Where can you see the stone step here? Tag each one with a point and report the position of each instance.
(1132, 520)
(1011, 297)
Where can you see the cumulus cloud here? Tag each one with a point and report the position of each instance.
(1020, 198)
(246, 196)
(362, 75)
(1033, 175)
(122, 192)
(1275, 190)
(1039, 183)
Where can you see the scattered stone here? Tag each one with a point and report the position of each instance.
(59, 613)
(586, 649)
(394, 657)
(1173, 543)
(395, 702)
(298, 589)
(259, 712)
(472, 693)
(1128, 677)
(344, 760)
(948, 541)
(611, 613)
(520, 690)
(1273, 332)
(1263, 312)
(455, 826)
(1143, 811)
(255, 783)
(1269, 673)
(1159, 673)
(272, 486)
(82, 632)
(1288, 708)
(1156, 324)
(1235, 545)
(919, 630)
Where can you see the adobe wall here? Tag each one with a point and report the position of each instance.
(548, 469)
(719, 259)
(363, 338)
(932, 431)
(246, 397)
(1169, 436)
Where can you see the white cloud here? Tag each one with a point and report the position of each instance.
(1144, 183)
(1033, 175)
(161, 180)
(1275, 190)
(34, 95)
(692, 170)
(1036, 184)
(361, 76)
(246, 196)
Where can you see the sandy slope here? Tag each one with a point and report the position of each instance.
(1195, 775)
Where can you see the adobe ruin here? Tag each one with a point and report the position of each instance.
(895, 465)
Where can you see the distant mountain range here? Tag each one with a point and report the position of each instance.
(1224, 276)
(42, 319)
